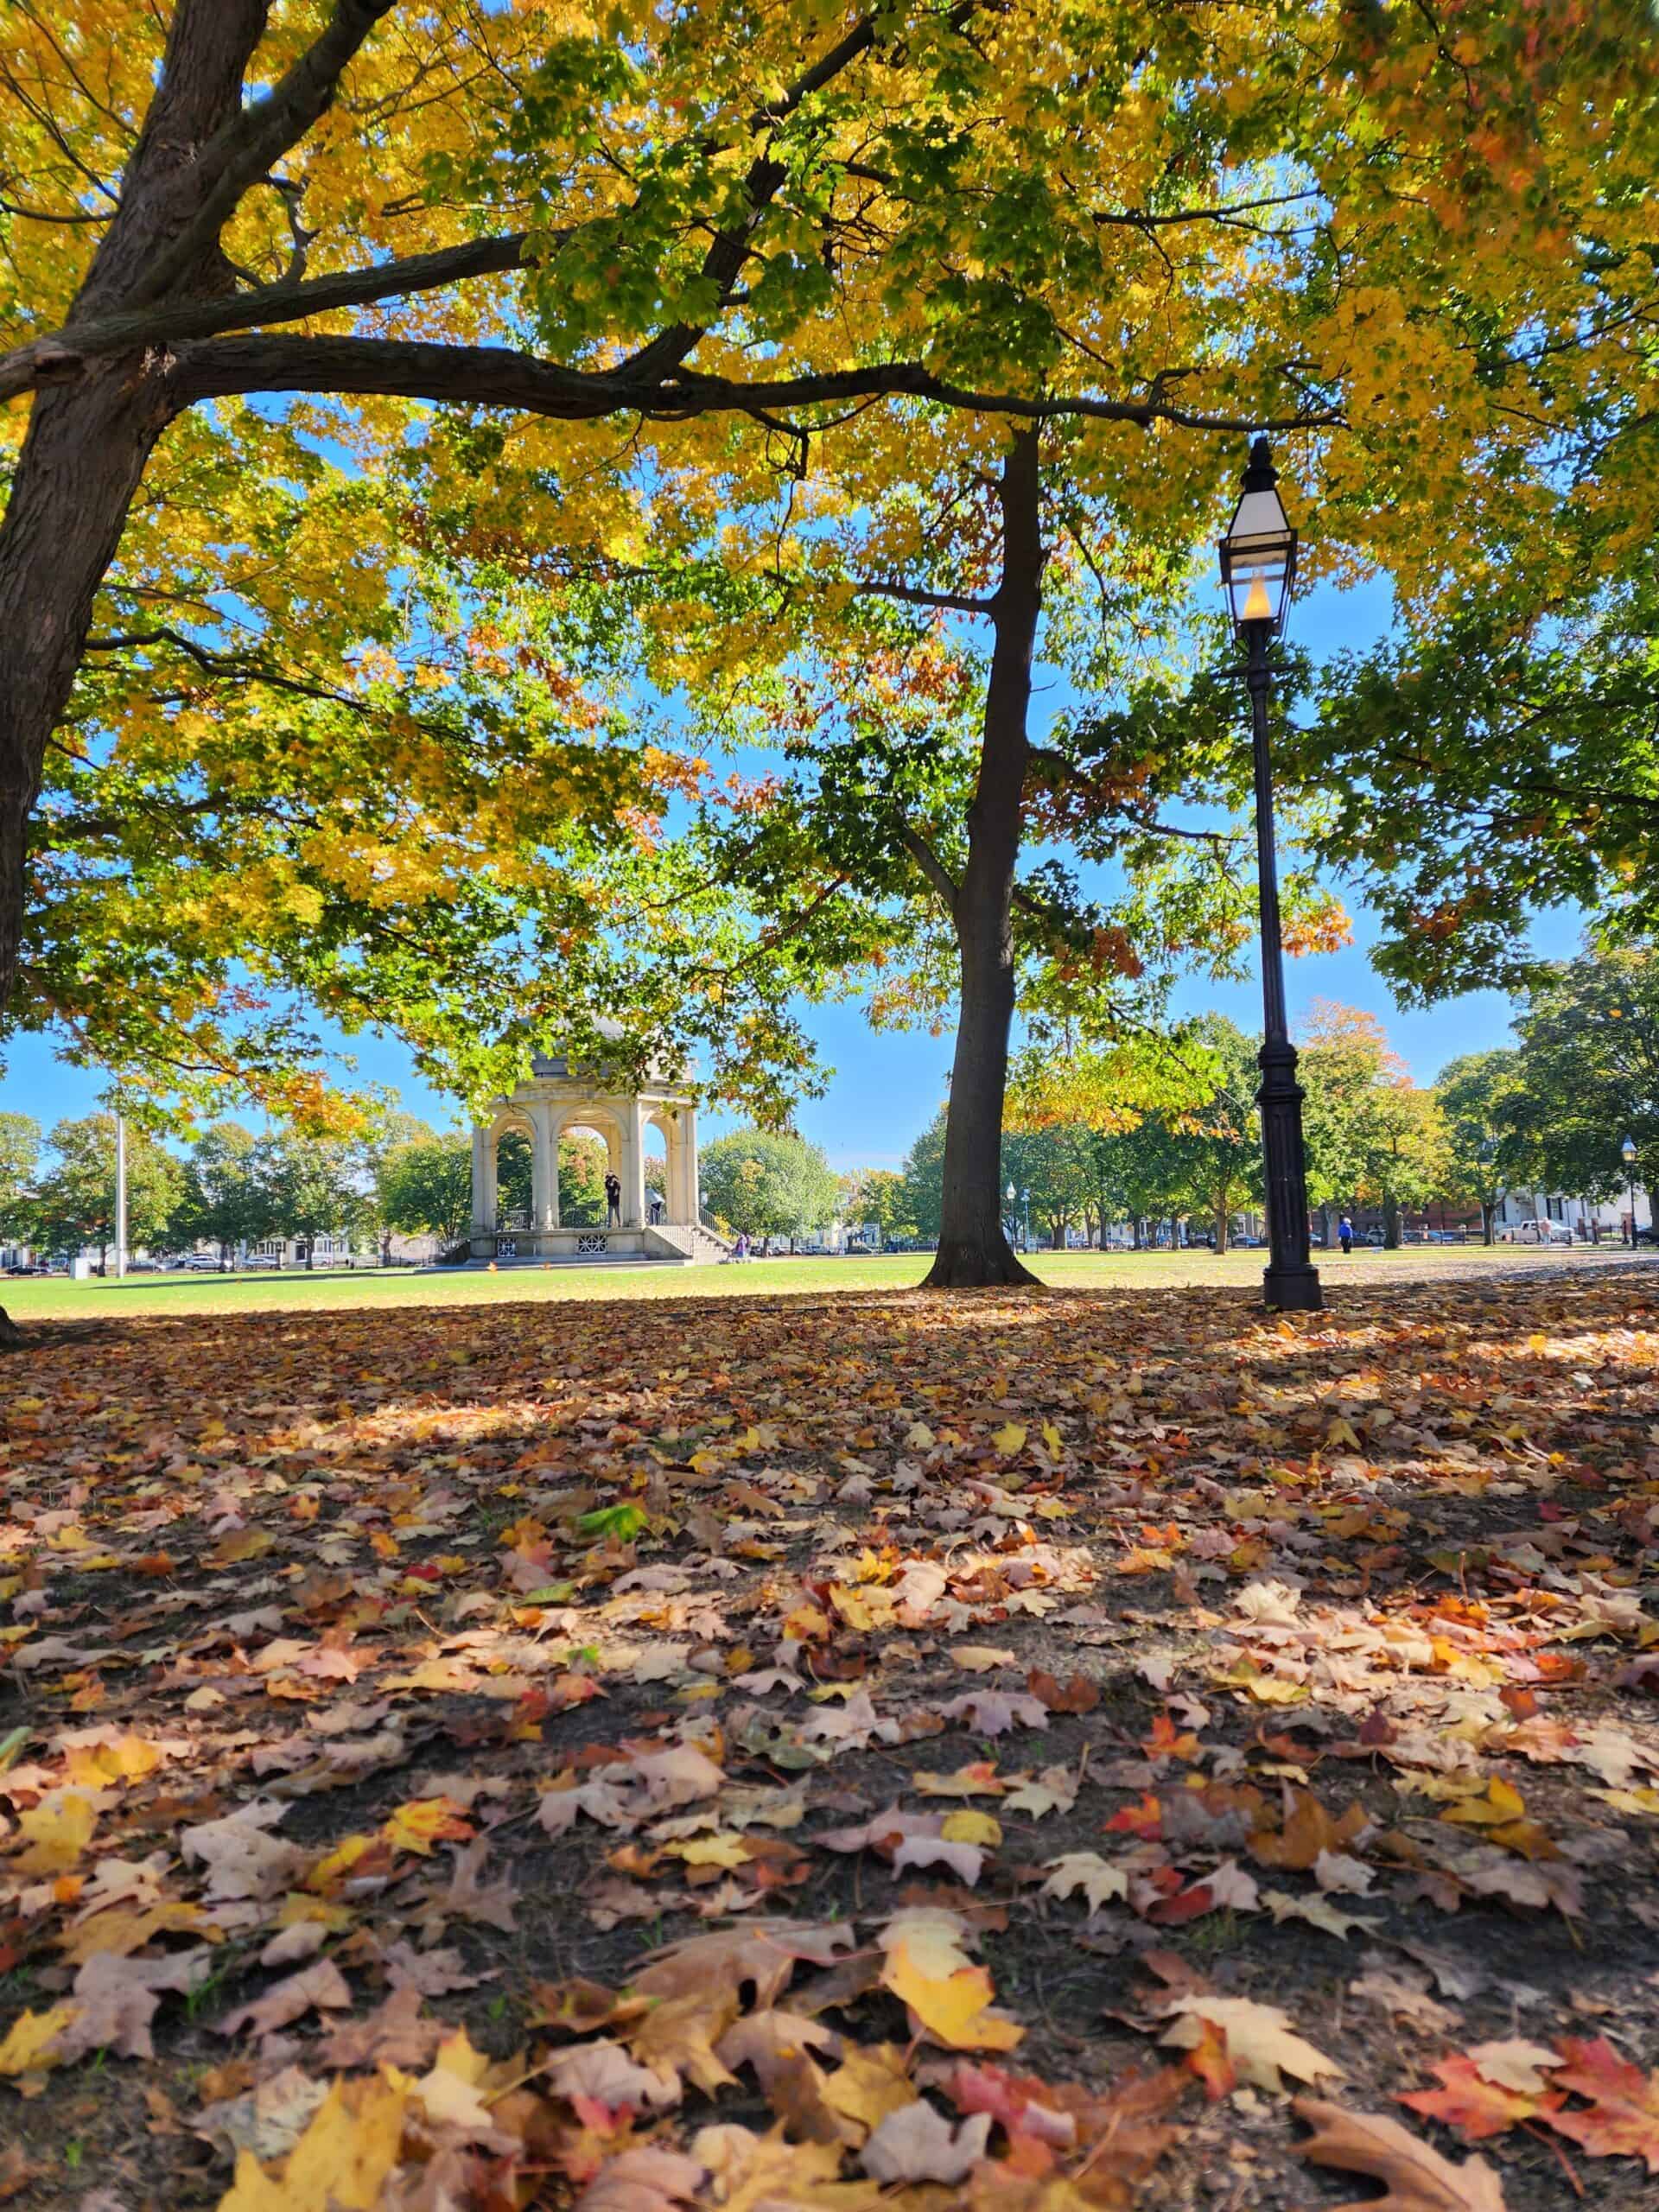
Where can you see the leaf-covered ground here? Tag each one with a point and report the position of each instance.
(1015, 1751)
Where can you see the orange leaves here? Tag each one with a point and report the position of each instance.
(425, 1821)
(1499, 2086)
(1623, 2118)
(1472, 2104)
(1306, 1832)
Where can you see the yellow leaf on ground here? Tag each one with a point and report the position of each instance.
(127, 1759)
(341, 2162)
(422, 1822)
(969, 1827)
(1009, 1438)
(1500, 1805)
(954, 2007)
(870, 2085)
(27, 2048)
(56, 1831)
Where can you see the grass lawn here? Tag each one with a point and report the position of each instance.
(56, 1298)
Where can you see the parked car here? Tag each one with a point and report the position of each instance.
(263, 1260)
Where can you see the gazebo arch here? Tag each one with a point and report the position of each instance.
(559, 1097)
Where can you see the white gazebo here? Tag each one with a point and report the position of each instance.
(556, 1098)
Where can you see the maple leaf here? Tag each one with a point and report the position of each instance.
(1623, 2116)
(603, 2071)
(34, 2041)
(1099, 1880)
(415, 1826)
(318, 1987)
(1259, 2042)
(1471, 2102)
(917, 2142)
(949, 1996)
(342, 2161)
(992, 1712)
(645, 2179)
(55, 1832)
(765, 1954)
(1416, 2178)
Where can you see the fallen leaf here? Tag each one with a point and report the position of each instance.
(1623, 2116)
(1260, 2041)
(917, 2142)
(1416, 2179)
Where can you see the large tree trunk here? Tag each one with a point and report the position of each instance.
(90, 437)
(974, 1251)
(1221, 1226)
(1390, 1222)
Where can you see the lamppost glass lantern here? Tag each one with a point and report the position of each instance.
(1258, 554)
(1627, 1152)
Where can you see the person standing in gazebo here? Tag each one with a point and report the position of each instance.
(612, 1201)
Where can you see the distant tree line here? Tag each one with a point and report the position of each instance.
(1550, 1113)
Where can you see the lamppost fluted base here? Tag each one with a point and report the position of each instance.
(1292, 1290)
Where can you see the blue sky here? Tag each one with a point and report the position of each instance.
(888, 1086)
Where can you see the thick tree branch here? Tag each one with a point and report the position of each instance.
(932, 866)
(496, 375)
(917, 596)
(253, 142)
(174, 323)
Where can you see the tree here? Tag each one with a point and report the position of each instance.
(923, 1174)
(1344, 1055)
(583, 1164)
(75, 1203)
(769, 1183)
(425, 1187)
(1407, 1152)
(1219, 1140)
(1486, 1155)
(880, 1195)
(1052, 1164)
(20, 1153)
(1588, 1073)
(1494, 765)
(313, 1185)
(226, 1198)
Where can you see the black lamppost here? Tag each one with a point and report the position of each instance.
(1627, 1154)
(1258, 567)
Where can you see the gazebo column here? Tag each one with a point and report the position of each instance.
(483, 1182)
(687, 1123)
(634, 1163)
(543, 1175)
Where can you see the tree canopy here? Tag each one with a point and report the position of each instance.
(347, 331)
(769, 1183)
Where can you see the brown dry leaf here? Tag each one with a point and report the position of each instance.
(647, 2178)
(604, 2071)
(917, 2142)
(1516, 2064)
(318, 1987)
(678, 2036)
(394, 2034)
(1416, 2178)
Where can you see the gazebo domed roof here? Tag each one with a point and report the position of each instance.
(559, 1063)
